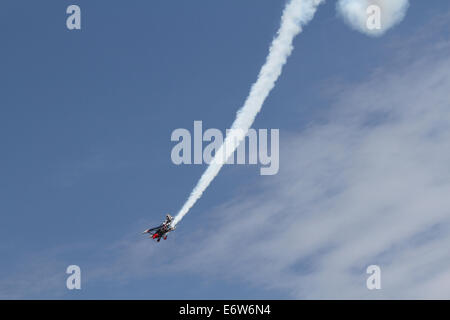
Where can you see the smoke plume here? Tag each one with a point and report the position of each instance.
(297, 14)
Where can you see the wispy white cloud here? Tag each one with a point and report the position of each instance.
(368, 187)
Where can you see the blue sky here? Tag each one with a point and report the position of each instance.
(85, 125)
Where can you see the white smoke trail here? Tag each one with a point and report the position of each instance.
(297, 13)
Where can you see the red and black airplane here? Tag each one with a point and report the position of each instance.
(162, 230)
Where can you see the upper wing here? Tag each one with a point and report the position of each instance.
(153, 229)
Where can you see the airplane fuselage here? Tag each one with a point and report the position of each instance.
(162, 230)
